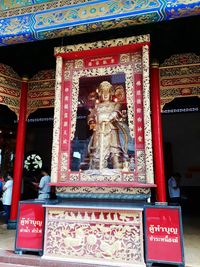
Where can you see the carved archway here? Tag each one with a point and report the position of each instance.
(7, 138)
(10, 86)
(41, 91)
(179, 77)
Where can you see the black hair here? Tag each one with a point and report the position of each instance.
(45, 170)
(9, 173)
(177, 174)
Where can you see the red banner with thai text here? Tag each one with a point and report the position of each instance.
(164, 235)
(30, 230)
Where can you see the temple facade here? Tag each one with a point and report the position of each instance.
(116, 152)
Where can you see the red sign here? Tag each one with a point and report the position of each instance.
(164, 236)
(30, 228)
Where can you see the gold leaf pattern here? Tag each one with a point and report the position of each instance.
(56, 132)
(147, 118)
(97, 235)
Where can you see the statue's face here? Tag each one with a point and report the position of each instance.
(105, 96)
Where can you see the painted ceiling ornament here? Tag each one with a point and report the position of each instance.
(180, 59)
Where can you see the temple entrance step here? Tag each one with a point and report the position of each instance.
(9, 259)
(12, 265)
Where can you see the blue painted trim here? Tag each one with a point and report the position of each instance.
(84, 22)
(72, 6)
(22, 28)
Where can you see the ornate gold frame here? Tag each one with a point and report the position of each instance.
(70, 70)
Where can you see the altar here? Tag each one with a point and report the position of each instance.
(102, 162)
(97, 233)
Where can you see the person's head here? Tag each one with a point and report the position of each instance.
(9, 175)
(177, 176)
(44, 172)
(105, 91)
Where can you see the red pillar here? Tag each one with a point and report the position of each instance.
(19, 154)
(157, 134)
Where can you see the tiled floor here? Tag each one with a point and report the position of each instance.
(7, 238)
(191, 226)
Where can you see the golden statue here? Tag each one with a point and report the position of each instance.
(106, 120)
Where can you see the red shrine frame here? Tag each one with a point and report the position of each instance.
(128, 57)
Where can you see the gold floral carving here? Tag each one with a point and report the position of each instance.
(79, 63)
(68, 68)
(147, 118)
(103, 44)
(96, 235)
(136, 58)
(101, 178)
(124, 58)
(140, 154)
(64, 165)
(103, 190)
(128, 177)
(56, 128)
(115, 177)
(74, 177)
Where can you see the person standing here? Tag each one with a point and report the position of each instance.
(1, 185)
(7, 195)
(1, 193)
(43, 186)
(174, 188)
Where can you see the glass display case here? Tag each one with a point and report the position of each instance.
(102, 126)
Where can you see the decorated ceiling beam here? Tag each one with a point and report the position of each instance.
(41, 91)
(179, 77)
(10, 86)
(32, 20)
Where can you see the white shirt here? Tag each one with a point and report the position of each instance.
(43, 185)
(7, 194)
(173, 192)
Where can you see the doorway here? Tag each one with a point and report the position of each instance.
(38, 148)
(181, 136)
(8, 123)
